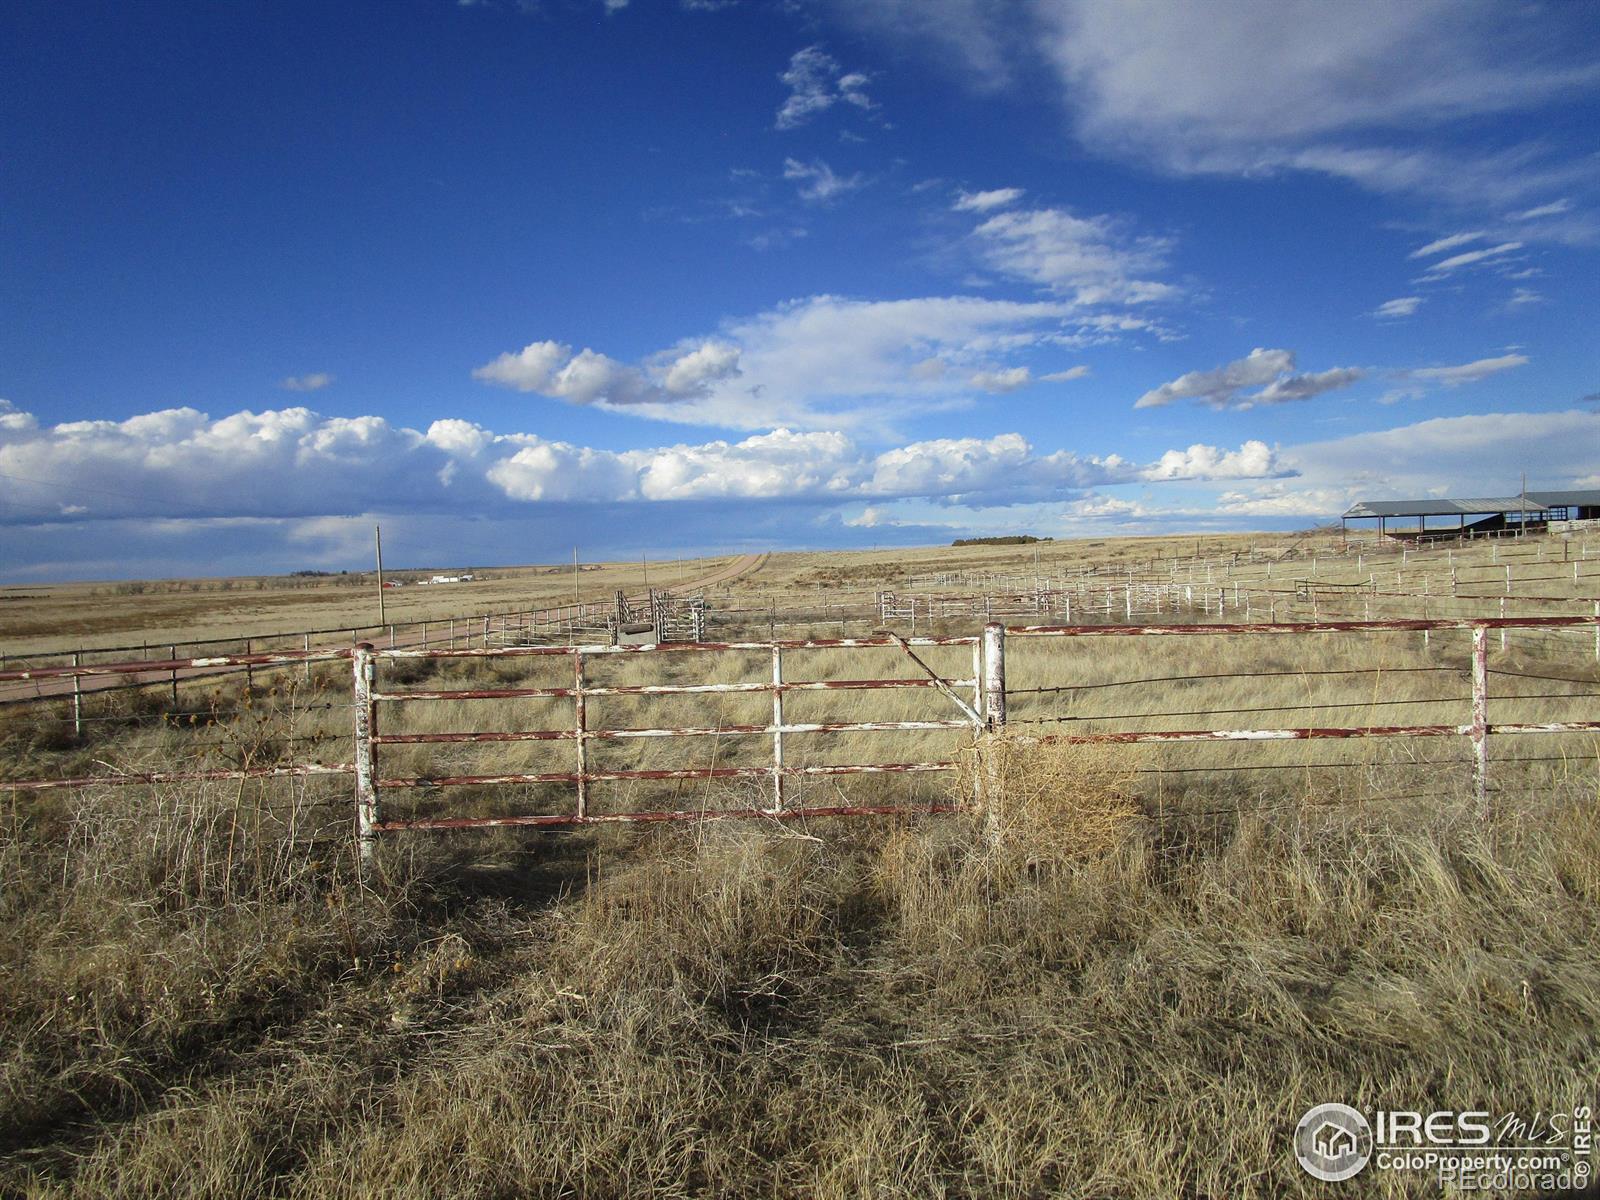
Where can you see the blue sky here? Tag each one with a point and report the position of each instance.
(699, 275)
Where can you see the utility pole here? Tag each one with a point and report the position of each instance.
(644, 561)
(576, 597)
(377, 533)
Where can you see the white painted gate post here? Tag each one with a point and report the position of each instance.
(993, 682)
(580, 731)
(1480, 716)
(366, 776)
(994, 676)
(777, 728)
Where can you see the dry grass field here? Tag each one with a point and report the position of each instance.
(38, 617)
(1128, 975)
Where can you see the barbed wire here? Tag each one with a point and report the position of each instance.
(1164, 817)
(1011, 691)
(1316, 766)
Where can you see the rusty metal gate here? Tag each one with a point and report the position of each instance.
(371, 691)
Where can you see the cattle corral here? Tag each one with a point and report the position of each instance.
(1248, 798)
(848, 659)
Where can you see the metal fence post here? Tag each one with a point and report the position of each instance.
(366, 776)
(174, 659)
(977, 683)
(77, 696)
(989, 672)
(994, 675)
(777, 728)
(580, 722)
(1480, 716)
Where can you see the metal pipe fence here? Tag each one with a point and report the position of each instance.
(977, 706)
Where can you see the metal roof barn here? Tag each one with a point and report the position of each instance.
(1493, 512)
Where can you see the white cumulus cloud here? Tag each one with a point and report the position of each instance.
(183, 465)
(1253, 460)
(1272, 371)
(1093, 260)
(822, 362)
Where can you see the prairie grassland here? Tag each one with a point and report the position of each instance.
(1272, 573)
(55, 616)
(1128, 973)
(52, 616)
(1071, 993)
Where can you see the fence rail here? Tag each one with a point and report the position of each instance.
(978, 704)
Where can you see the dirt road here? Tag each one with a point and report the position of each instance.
(745, 564)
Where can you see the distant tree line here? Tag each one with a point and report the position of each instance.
(1015, 539)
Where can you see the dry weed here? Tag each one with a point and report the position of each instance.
(1050, 803)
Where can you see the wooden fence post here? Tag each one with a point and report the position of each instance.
(1480, 716)
(366, 721)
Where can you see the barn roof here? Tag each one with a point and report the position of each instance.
(1438, 506)
(1581, 498)
(1446, 508)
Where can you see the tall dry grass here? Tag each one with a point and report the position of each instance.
(1103, 981)
(1069, 993)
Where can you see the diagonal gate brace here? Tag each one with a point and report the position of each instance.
(938, 682)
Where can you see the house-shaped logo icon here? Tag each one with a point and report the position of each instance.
(1333, 1142)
